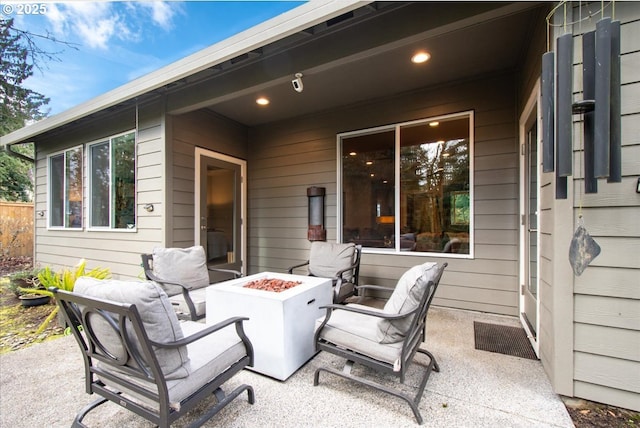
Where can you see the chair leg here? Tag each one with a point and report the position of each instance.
(413, 403)
(223, 400)
(436, 367)
(77, 422)
(432, 366)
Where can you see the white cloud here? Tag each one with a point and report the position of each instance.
(161, 13)
(98, 24)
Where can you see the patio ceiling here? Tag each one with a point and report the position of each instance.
(360, 55)
(365, 56)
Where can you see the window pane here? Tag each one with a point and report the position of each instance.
(56, 189)
(124, 182)
(100, 185)
(368, 183)
(74, 188)
(434, 189)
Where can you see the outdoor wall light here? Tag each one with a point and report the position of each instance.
(316, 231)
(40, 213)
(148, 208)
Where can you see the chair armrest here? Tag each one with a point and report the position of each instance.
(152, 277)
(376, 288)
(236, 274)
(202, 333)
(364, 291)
(376, 314)
(365, 288)
(342, 271)
(290, 271)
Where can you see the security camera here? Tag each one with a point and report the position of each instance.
(297, 83)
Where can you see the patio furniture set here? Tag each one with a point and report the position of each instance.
(139, 355)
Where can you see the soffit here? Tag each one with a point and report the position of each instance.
(370, 59)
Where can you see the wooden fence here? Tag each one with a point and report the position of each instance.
(16, 229)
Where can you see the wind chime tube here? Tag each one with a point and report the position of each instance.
(564, 146)
(602, 113)
(588, 90)
(615, 144)
(548, 63)
(561, 187)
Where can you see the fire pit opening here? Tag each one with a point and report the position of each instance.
(271, 284)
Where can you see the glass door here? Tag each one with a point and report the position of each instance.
(530, 220)
(530, 168)
(220, 225)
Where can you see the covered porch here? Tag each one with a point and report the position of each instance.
(43, 385)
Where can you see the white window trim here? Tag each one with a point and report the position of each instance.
(49, 195)
(396, 250)
(108, 139)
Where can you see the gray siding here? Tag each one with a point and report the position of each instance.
(607, 295)
(188, 131)
(287, 157)
(605, 308)
(64, 248)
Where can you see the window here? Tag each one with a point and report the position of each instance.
(112, 176)
(408, 187)
(65, 189)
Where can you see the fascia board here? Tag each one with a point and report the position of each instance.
(293, 21)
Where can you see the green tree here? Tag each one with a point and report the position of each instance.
(18, 56)
(16, 176)
(18, 107)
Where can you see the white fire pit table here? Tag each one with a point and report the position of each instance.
(280, 325)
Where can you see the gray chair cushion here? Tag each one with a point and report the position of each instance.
(159, 320)
(210, 356)
(327, 258)
(405, 298)
(185, 265)
(358, 332)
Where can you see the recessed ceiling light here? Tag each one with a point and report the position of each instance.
(434, 124)
(420, 57)
(352, 153)
(262, 101)
(369, 162)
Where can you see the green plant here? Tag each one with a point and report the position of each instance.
(23, 279)
(63, 280)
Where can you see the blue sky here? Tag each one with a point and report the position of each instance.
(118, 41)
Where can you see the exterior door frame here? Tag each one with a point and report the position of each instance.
(199, 153)
(531, 109)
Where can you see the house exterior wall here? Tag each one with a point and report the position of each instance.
(64, 248)
(589, 332)
(287, 157)
(606, 310)
(203, 129)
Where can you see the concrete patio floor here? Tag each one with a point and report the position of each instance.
(43, 386)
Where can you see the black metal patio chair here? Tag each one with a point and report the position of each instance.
(340, 262)
(138, 355)
(385, 340)
(184, 275)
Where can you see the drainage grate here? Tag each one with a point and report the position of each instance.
(503, 339)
